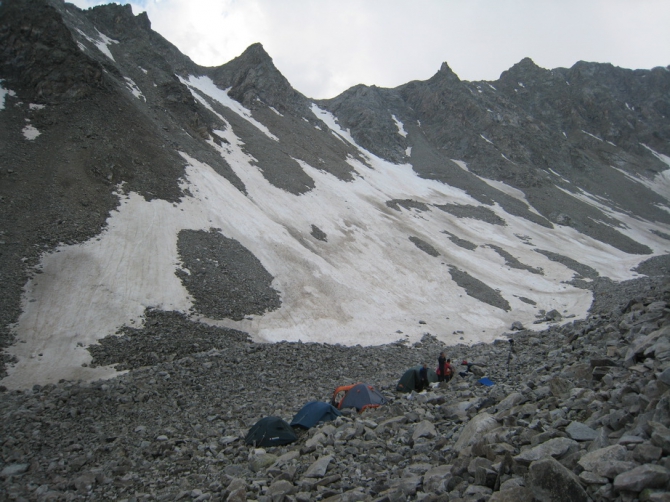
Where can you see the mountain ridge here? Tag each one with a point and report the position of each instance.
(466, 205)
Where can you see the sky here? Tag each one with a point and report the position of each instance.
(323, 47)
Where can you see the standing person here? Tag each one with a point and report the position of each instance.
(423, 377)
(448, 370)
(441, 367)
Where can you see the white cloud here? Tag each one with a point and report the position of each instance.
(325, 47)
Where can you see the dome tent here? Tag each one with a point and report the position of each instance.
(313, 413)
(409, 381)
(270, 431)
(359, 396)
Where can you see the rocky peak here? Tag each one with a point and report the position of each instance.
(40, 56)
(255, 54)
(446, 73)
(118, 21)
(253, 76)
(524, 71)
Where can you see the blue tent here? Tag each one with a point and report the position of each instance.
(313, 413)
(360, 396)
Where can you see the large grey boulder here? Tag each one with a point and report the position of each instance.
(580, 432)
(555, 448)
(551, 482)
(319, 467)
(514, 494)
(642, 477)
(475, 428)
(615, 452)
(424, 429)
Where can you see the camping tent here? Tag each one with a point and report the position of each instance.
(313, 413)
(359, 396)
(409, 381)
(270, 431)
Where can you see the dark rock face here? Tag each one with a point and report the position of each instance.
(478, 289)
(224, 278)
(534, 129)
(39, 53)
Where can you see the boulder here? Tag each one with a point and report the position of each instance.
(615, 452)
(642, 477)
(476, 427)
(556, 448)
(580, 432)
(549, 481)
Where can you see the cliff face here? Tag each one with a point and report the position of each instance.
(466, 205)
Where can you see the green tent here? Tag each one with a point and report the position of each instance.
(410, 379)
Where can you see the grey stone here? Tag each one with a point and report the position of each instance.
(513, 399)
(13, 470)
(319, 467)
(408, 485)
(615, 452)
(660, 436)
(612, 468)
(556, 448)
(261, 461)
(591, 478)
(425, 429)
(560, 387)
(551, 482)
(665, 376)
(512, 494)
(580, 432)
(646, 453)
(435, 479)
(278, 490)
(644, 476)
(477, 426)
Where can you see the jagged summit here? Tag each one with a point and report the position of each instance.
(253, 76)
(526, 69)
(445, 75)
(255, 54)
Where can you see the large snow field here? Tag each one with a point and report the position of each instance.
(367, 284)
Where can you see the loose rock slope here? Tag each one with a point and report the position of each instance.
(578, 412)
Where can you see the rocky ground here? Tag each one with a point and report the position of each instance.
(578, 412)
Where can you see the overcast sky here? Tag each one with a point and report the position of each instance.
(325, 46)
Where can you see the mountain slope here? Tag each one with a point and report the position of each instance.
(134, 179)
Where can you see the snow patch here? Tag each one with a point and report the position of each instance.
(408, 151)
(461, 164)
(592, 135)
(132, 86)
(3, 94)
(102, 42)
(486, 139)
(35, 106)
(30, 132)
(399, 125)
(274, 110)
(207, 87)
